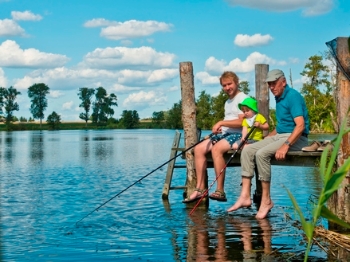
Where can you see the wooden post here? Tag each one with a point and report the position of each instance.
(262, 91)
(189, 121)
(339, 203)
(263, 97)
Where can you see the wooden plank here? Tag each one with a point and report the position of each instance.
(293, 158)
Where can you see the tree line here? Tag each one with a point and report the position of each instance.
(97, 105)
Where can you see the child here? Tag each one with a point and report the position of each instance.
(251, 118)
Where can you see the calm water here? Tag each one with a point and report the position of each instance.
(51, 180)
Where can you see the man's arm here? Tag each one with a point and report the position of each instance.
(298, 130)
(228, 123)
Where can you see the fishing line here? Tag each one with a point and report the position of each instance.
(222, 170)
(96, 209)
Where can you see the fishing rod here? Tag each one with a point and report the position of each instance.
(222, 170)
(96, 209)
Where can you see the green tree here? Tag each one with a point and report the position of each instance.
(218, 106)
(7, 103)
(204, 111)
(130, 119)
(102, 107)
(37, 94)
(318, 94)
(53, 120)
(244, 87)
(23, 119)
(85, 95)
(158, 118)
(173, 117)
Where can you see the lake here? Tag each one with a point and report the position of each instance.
(50, 180)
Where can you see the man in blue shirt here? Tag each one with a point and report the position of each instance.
(290, 133)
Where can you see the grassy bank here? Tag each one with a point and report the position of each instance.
(19, 126)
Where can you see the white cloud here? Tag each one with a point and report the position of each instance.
(25, 16)
(174, 88)
(144, 99)
(207, 79)
(121, 89)
(9, 27)
(116, 57)
(253, 40)
(134, 29)
(99, 22)
(55, 93)
(3, 80)
(67, 105)
(64, 79)
(135, 78)
(309, 7)
(11, 55)
(214, 66)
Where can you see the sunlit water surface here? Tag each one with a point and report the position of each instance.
(52, 180)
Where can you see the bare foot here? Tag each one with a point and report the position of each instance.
(241, 202)
(264, 210)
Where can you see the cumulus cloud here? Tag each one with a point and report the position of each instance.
(25, 16)
(216, 67)
(67, 105)
(117, 57)
(99, 22)
(308, 7)
(3, 80)
(252, 40)
(11, 55)
(137, 78)
(55, 93)
(134, 29)
(62, 78)
(9, 27)
(121, 89)
(144, 99)
(206, 79)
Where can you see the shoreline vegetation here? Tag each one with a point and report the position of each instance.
(80, 125)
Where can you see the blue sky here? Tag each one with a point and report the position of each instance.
(133, 48)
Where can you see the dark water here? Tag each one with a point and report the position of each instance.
(51, 180)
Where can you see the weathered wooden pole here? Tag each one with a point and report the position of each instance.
(262, 91)
(262, 95)
(189, 121)
(339, 203)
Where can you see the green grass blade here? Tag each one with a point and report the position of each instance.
(307, 227)
(326, 213)
(333, 183)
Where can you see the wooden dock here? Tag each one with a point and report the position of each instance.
(293, 158)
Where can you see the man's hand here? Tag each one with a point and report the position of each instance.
(281, 152)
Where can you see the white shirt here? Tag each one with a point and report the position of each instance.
(232, 111)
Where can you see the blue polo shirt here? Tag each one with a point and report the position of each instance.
(289, 106)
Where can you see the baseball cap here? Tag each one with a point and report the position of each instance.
(273, 75)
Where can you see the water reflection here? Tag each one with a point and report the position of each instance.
(8, 147)
(37, 147)
(228, 238)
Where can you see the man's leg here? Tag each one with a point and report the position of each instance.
(248, 165)
(266, 202)
(263, 162)
(244, 199)
(200, 160)
(217, 153)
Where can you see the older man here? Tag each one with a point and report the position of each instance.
(290, 133)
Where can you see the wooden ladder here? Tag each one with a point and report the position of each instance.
(171, 165)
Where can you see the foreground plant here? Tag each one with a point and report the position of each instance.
(331, 183)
